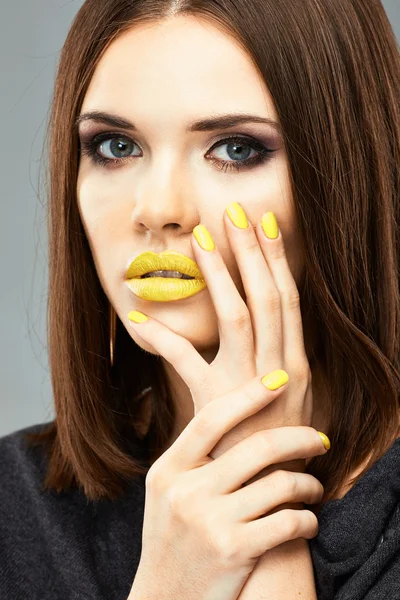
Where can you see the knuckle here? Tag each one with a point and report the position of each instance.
(150, 480)
(291, 484)
(278, 252)
(314, 485)
(300, 523)
(225, 546)
(252, 446)
(240, 319)
(155, 478)
(251, 244)
(273, 300)
(249, 396)
(177, 498)
(292, 523)
(184, 496)
(286, 481)
(262, 439)
(312, 525)
(291, 299)
(319, 490)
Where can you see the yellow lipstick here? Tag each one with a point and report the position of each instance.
(164, 289)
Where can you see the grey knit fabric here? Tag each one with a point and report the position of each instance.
(356, 555)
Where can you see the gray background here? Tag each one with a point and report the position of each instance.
(32, 33)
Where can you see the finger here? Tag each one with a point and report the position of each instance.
(220, 415)
(262, 294)
(235, 330)
(177, 350)
(261, 535)
(260, 450)
(292, 325)
(277, 488)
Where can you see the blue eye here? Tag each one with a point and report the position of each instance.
(121, 147)
(117, 146)
(235, 150)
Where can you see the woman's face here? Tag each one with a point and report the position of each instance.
(165, 180)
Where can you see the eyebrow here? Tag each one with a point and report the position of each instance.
(210, 124)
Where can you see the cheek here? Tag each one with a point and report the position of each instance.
(104, 215)
(95, 216)
(93, 199)
(86, 199)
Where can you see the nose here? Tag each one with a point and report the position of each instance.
(164, 203)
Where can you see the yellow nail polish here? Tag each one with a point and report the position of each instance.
(237, 215)
(203, 237)
(137, 317)
(270, 225)
(275, 380)
(325, 440)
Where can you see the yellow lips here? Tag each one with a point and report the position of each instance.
(164, 289)
(165, 261)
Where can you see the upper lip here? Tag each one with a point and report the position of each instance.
(164, 261)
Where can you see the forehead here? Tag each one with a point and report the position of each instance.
(172, 66)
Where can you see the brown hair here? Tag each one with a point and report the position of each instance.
(333, 71)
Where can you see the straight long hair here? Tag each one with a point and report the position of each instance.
(333, 71)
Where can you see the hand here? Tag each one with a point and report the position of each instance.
(242, 354)
(255, 338)
(202, 534)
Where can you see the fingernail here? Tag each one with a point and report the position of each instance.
(203, 237)
(237, 215)
(137, 317)
(275, 380)
(325, 440)
(270, 225)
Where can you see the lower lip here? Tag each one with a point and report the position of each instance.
(165, 289)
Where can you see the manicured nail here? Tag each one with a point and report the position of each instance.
(203, 237)
(325, 440)
(237, 215)
(270, 225)
(137, 317)
(275, 380)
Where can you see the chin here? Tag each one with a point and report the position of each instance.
(190, 319)
(204, 341)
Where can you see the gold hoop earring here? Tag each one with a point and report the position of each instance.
(113, 330)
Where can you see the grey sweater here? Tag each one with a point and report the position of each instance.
(63, 547)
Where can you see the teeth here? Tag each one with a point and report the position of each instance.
(175, 274)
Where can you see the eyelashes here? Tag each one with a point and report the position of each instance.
(90, 148)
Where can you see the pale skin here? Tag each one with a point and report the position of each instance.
(161, 77)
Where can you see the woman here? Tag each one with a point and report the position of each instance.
(189, 457)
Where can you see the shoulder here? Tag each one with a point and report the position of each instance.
(56, 545)
(22, 473)
(21, 463)
(37, 527)
(357, 548)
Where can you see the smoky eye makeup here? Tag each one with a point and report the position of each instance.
(94, 145)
